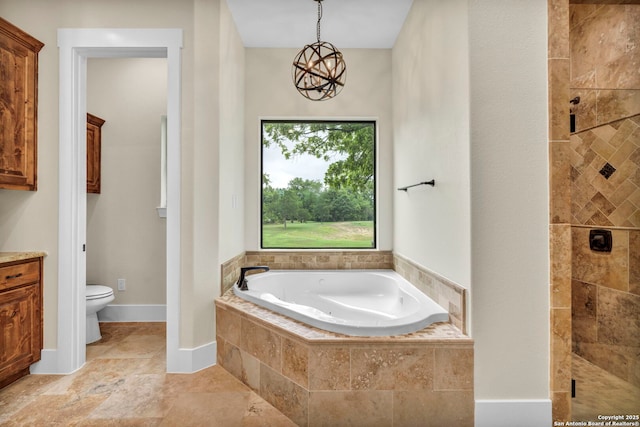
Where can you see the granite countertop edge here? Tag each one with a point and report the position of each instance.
(19, 256)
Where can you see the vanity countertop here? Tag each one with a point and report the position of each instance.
(19, 256)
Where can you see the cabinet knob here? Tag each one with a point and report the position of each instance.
(15, 276)
(14, 314)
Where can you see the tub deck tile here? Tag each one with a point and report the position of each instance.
(424, 378)
(435, 333)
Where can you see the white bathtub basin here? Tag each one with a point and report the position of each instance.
(351, 302)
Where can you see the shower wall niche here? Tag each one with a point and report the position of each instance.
(605, 191)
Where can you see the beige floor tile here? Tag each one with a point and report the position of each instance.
(124, 384)
(601, 393)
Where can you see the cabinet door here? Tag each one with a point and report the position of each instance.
(20, 329)
(94, 148)
(18, 108)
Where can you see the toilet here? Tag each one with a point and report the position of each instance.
(98, 296)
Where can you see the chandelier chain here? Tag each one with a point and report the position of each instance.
(319, 17)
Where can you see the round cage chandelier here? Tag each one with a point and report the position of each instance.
(319, 70)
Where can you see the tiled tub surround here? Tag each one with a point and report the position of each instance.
(307, 260)
(606, 303)
(319, 378)
(446, 293)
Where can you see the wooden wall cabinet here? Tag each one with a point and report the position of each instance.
(18, 108)
(94, 148)
(20, 317)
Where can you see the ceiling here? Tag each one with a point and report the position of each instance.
(345, 23)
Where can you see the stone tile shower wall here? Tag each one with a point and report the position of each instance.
(606, 303)
(605, 186)
(605, 56)
(559, 209)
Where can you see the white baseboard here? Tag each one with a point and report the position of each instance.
(195, 359)
(190, 360)
(133, 313)
(48, 363)
(508, 413)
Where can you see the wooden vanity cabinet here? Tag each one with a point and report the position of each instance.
(18, 108)
(94, 148)
(20, 317)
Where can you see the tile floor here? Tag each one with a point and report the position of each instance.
(124, 383)
(601, 393)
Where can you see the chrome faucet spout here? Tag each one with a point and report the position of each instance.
(242, 282)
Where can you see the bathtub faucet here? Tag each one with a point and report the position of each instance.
(242, 282)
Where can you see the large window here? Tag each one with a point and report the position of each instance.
(318, 184)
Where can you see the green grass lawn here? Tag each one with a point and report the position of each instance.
(355, 234)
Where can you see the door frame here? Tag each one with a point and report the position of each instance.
(75, 47)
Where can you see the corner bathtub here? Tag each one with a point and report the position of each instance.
(350, 302)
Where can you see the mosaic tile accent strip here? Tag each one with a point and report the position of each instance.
(605, 179)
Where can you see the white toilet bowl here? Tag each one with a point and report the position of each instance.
(98, 297)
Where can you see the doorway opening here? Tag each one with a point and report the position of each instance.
(75, 47)
(126, 238)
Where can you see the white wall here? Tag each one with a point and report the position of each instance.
(470, 110)
(431, 138)
(125, 237)
(509, 198)
(270, 93)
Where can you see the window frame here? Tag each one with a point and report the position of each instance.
(374, 246)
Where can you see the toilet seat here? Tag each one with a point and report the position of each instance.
(98, 291)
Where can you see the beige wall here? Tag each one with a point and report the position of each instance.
(29, 221)
(270, 94)
(125, 236)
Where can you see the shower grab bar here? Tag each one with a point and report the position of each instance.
(431, 183)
